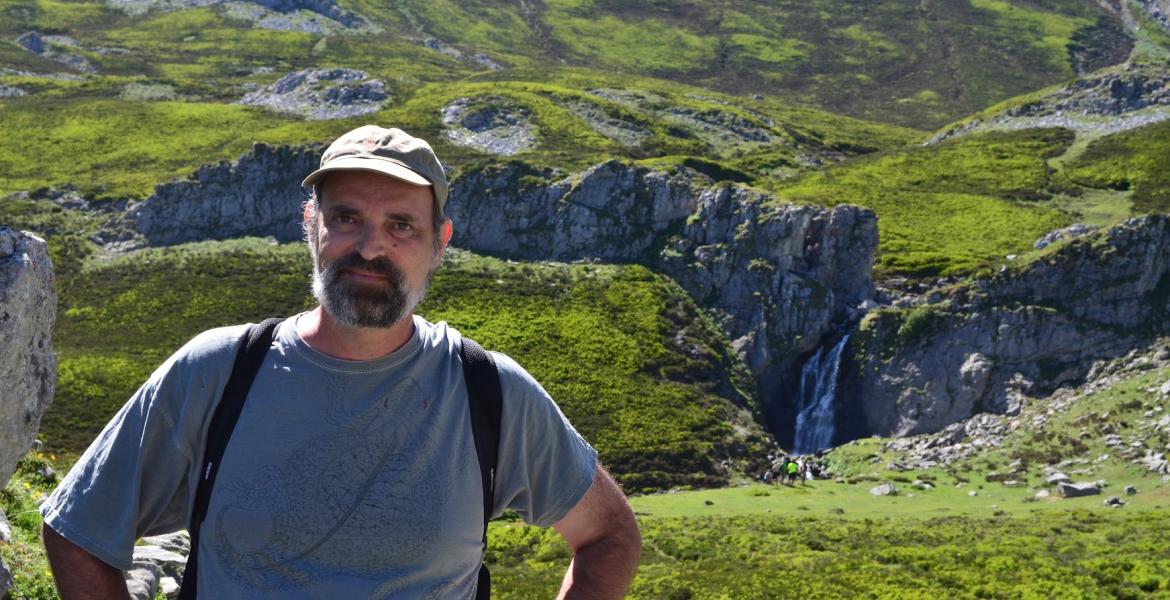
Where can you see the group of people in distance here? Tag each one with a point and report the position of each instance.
(790, 470)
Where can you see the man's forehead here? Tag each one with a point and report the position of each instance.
(374, 185)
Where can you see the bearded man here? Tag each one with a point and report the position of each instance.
(352, 470)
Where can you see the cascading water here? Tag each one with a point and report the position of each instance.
(817, 416)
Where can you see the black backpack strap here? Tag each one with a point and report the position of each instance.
(485, 402)
(249, 357)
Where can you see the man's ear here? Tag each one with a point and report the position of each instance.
(445, 231)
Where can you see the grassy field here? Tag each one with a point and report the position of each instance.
(966, 536)
(951, 207)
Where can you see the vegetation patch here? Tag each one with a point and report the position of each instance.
(1137, 160)
(949, 208)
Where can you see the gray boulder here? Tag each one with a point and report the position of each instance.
(158, 566)
(5, 529)
(6, 580)
(28, 369)
(885, 489)
(1076, 490)
(32, 41)
(142, 581)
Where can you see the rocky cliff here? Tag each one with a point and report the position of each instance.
(981, 346)
(1130, 96)
(779, 278)
(28, 369)
(257, 195)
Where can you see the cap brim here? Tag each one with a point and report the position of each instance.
(382, 166)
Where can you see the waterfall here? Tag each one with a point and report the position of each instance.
(816, 419)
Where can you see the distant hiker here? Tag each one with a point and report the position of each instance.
(793, 470)
(363, 463)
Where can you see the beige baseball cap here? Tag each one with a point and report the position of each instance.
(391, 152)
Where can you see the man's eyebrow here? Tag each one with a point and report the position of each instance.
(405, 217)
(340, 209)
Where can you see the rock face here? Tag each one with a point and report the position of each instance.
(28, 369)
(322, 94)
(492, 125)
(778, 278)
(979, 347)
(1120, 94)
(158, 566)
(258, 195)
(327, 9)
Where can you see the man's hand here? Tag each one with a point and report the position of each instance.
(606, 544)
(79, 574)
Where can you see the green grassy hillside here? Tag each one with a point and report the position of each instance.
(112, 147)
(662, 397)
(890, 60)
(1136, 160)
(948, 208)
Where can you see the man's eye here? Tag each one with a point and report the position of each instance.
(402, 229)
(342, 220)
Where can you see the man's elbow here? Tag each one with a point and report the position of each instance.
(628, 536)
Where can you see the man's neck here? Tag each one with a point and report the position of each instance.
(324, 334)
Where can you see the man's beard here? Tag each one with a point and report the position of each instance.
(365, 305)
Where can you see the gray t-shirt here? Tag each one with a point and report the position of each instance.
(342, 479)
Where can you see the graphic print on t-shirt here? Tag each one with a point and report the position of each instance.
(353, 501)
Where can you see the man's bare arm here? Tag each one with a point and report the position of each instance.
(79, 574)
(606, 544)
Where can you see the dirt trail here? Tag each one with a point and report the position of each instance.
(947, 45)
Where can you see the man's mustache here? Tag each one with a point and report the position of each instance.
(353, 260)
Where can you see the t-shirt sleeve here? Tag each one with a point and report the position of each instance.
(545, 466)
(137, 478)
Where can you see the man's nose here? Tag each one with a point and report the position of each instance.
(374, 242)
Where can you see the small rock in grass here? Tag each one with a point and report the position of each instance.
(1130, 490)
(1074, 490)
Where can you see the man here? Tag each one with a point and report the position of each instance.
(352, 472)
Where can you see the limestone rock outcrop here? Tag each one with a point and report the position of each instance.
(982, 346)
(258, 195)
(777, 277)
(28, 369)
(159, 563)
